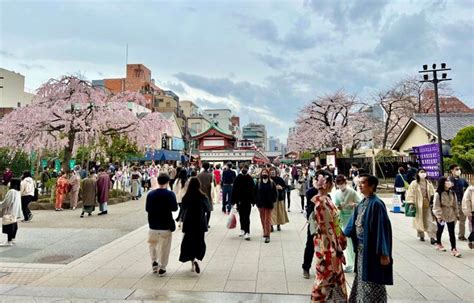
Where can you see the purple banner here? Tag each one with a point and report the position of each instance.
(428, 159)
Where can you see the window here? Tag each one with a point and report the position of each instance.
(168, 104)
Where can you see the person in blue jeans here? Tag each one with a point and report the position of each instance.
(228, 177)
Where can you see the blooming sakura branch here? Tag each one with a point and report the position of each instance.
(70, 112)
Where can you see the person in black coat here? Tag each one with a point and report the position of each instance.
(243, 196)
(195, 205)
(309, 249)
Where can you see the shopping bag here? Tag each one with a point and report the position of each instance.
(410, 210)
(232, 221)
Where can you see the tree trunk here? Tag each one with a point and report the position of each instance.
(68, 152)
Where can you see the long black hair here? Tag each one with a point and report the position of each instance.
(194, 189)
(440, 189)
(15, 184)
(183, 177)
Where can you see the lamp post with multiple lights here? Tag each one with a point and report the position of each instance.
(435, 80)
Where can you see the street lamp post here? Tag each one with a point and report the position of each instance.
(435, 80)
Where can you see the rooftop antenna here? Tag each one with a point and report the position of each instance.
(126, 56)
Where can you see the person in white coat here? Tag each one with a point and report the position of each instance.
(27, 192)
(468, 209)
(10, 210)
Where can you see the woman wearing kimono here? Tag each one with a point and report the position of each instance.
(346, 199)
(62, 188)
(89, 194)
(329, 244)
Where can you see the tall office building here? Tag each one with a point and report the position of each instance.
(257, 133)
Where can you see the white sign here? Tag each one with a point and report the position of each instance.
(331, 159)
(218, 142)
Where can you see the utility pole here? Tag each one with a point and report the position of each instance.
(435, 80)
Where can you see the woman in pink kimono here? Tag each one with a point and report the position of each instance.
(329, 245)
(75, 184)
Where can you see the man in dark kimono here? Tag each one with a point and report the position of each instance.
(103, 188)
(371, 234)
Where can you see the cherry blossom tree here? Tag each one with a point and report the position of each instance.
(70, 112)
(336, 119)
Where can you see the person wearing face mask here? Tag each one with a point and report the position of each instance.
(329, 244)
(346, 199)
(419, 194)
(459, 186)
(279, 214)
(265, 195)
(445, 208)
(243, 196)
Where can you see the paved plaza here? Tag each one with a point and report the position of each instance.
(118, 268)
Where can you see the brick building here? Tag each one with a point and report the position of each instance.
(138, 78)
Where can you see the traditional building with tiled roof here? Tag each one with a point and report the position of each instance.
(422, 129)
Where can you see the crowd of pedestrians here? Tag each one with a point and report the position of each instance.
(348, 226)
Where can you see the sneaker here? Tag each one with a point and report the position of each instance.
(470, 244)
(267, 240)
(192, 267)
(278, 228)
(455, 253)
(422, 239)
(289, 210)
(154, 266)
(271, 229)
(30, 217)
(82, 216)
(196, 267)
(433, 241)
(462, 238)
(301, 211)
(102, 213)
(73, 208)
(162, 272)
(440, 247)
(6, 244)
(242, 233)
(305, 274)
(247, 236)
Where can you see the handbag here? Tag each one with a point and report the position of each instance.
(410, 210)
(232, 221)
(312, 224)
(8, 219)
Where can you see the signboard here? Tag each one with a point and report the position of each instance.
(44, 163)
(72, 163)
(428, 158)
(331, 160)
(178, 144)
(57, 165)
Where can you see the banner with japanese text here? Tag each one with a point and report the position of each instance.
(428, 158)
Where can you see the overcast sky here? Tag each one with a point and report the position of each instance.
(262, 59)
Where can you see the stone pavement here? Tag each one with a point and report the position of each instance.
(235, 270)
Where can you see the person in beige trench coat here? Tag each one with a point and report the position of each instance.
(419, 193)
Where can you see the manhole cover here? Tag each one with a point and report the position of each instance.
(54, 259)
